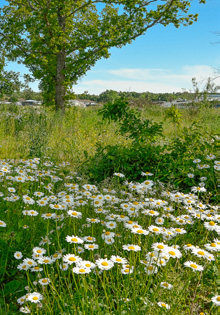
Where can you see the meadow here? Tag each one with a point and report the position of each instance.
(109, 210)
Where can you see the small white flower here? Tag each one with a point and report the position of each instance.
(34, 297)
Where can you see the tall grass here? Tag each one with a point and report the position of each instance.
(142, 247)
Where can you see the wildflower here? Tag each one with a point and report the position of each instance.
(42, 202)
(32, 213)
(188, 247)
(146, 174)
(64, 266)
(174, 252)
(107, 234)
(213, 247)
(150, 269)
(139, 231)
(44, 281)
(166, 285)
(48, 215)
(196, 161)
(191, 175)
(21, 300)
(198, 189)
(155, 229)
(36, 269)
(2, 223)
(151, 213)
(111, 225)
(81, 270)
(168, 209)
(89, 239)
(119, 174)
(179, 231)
(210, 157)
(194, 266)
(18, 255)
(75, 214)
(216, 300)
(159, 220)
(118, 259)
(71, 258)
(104, 264)
(29, 262)
(74, 239)
(164, 305)
(127, 270)
(131, 247)
(20, 179)
(38, 193)
(45, 260)
(91, 246)
(211, 226)
(160, 247)
(28, 200)
(89, 220)
(80, 249)
(34, 297)
(25, 310)
(86, 264)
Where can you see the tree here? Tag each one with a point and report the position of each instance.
(10, 83)
(60, 40)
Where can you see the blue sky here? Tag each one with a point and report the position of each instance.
(163, 60)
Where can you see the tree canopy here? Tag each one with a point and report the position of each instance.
(60, 40)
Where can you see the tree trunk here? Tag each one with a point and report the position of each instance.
(60, 81)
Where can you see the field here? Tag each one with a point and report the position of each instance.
(107, 212)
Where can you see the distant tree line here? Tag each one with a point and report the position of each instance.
(146, 97)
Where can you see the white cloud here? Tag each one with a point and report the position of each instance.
(142, 80)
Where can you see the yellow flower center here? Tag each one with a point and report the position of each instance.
(131, 247)
(104, 263)
(172, 253)
(72, 259)
(194, 266)
(163, 304)
(218, 299)
(213, 244)
(74, 239)
(160, 246)
(212, 223)
(140, 231)
(44, 280)
(35, 298)
(155, 229)
(118, 259)
(201, 253)
(178, 230)
(82, 270)
(91, 246)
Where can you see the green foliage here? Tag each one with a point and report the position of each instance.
(130, 121)
(174, 114)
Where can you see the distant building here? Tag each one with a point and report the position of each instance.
(81, 103)
(30, 103)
